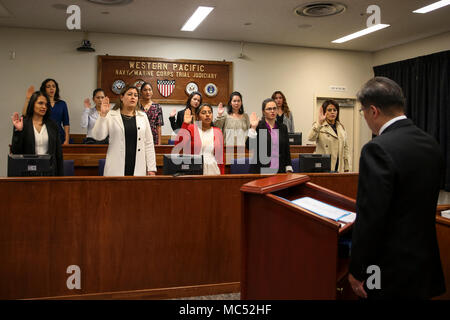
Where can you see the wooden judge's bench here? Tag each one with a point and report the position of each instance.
(165, 237)
(86, 157)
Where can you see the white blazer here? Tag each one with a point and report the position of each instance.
(112, 125)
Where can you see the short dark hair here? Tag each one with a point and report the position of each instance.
(44, 84)
(188, 102)
(382, 93)
(265, 102)
(230, 108)
(325, 105)
(33, 99)
(97, 91)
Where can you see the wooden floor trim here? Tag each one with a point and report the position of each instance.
(156, 294)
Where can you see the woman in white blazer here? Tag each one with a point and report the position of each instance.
(131, 151)
(330, 136)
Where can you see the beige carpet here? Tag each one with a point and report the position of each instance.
(227, 296)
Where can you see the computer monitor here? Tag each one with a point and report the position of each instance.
(30, 165)
(183, 164)
(295, 139)
(309, 162)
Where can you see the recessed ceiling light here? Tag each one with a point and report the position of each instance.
(433, 6)
(361, 33)
(199, 15)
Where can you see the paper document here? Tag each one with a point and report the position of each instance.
(446, 214)
(325, 210)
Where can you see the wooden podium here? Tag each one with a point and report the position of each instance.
(289, 252)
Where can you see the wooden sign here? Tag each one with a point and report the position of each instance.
(172, 80)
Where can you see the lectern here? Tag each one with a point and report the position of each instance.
(289, 252)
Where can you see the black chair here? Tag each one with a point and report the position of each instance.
(101, 166)
(69, 168)
(295, 165)
(237, 167)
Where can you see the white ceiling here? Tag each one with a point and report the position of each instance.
(272, 21)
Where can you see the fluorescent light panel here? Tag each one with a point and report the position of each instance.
(433, 6)
(361, 33)
(199, 15)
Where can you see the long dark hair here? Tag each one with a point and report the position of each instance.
(230, 108)
(44, 84)
(284, 106)
(325, 105)
(197, 111)
(188, 102)
(119, 104)
(33, 99)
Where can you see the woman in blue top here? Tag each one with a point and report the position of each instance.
(59, 112)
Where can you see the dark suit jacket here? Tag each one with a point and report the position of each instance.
(176, 124)
(23, 142)
(399, 180)
(283, 148)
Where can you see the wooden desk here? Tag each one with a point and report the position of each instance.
(86, 156)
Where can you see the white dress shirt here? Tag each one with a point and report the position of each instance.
(41, 140)
(387, 124)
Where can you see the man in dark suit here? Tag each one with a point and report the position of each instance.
(395, 252)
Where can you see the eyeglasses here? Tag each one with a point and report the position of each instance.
(271, 109)
(361, 111)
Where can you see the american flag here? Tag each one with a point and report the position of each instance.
(165, 87)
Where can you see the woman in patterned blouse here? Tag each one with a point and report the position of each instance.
(153, 111)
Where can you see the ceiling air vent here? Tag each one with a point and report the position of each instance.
(320, 9)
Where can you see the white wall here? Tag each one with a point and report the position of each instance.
(299, 72)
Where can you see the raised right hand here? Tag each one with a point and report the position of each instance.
(322, 116)
(254, 120)
(17, 121)
(173, 113)
(220, 109)
(30, 92)
(87, 103)
(104, 108)
(188, 116)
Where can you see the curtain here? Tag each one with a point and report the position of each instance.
(425, 83)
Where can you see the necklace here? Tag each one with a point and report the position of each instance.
(127, 117)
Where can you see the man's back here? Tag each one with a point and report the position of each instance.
(400, 175)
